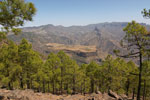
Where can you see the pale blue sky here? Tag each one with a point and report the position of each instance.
(83, 12)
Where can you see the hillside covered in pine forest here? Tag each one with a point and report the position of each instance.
(105, 61)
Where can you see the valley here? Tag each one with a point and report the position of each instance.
(82, 43)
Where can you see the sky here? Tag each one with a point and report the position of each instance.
(84, 12)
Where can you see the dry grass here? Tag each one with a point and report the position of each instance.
(81, 48)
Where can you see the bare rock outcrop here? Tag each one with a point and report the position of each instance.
(116, 96)
(31, 95)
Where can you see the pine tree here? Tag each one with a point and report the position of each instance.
(14, 13)
(63, 67)
(136, 42)
(90, 71)
(146, 13)
(145, 78)
(11, 68)
(84, 79)
(53, 70)
(132, 76)
(30, 62)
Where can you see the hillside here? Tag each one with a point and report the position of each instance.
(103, 38)
(31, 95)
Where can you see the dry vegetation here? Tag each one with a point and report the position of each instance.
(80, 48)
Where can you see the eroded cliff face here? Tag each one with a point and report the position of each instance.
(80, 53)
(31, 95)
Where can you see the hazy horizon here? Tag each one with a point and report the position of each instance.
(81, 25)
(77, 12)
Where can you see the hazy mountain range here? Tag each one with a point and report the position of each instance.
(83, 43)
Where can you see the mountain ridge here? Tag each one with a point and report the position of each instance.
(105, 36)
(79, 25)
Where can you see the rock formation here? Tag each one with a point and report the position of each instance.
(31, 95)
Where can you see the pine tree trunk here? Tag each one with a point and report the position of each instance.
(133, 94)
(109, 85)
(9, 86)
(81, 88)
(28, 84)
(53, 86)
(92, 85)
(84, 87)
(61, 87)
(43, 86)
(39, 89)
(74, 82)
(99, 85)
(48, 87)
(140, 78)
(144, 90)
(102, 83)
(21, 83)
(61, 83)
(127, 87)
(31, 84)
(67, 88)
(145, 94)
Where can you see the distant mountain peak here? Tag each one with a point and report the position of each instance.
(105, 36)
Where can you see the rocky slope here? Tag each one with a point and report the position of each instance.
(30, 95)
(104, 36)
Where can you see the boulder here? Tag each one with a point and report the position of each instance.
(98, 92)
(107, 97)
(115, 95)
(124, 97)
